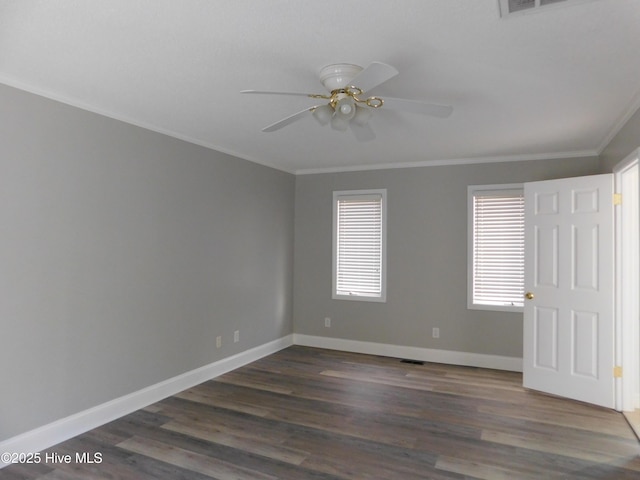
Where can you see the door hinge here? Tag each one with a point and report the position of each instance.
(617, 199)
(617, 372)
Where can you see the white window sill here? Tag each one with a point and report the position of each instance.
(496, 308)
(359, 298)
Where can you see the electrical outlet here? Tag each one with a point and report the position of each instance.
(236, 336)
(435, 332)
(327, 322)
(218, 342)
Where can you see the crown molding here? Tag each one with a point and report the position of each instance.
(633, 107)
(453, 161)
(10, 82)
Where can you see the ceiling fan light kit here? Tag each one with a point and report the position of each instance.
(338, 122)
(347, 104)
(362, 116)
(323, 114)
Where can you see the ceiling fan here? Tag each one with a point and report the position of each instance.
(348, 106)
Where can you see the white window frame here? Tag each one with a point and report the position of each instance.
(472, 191)
(355, 194)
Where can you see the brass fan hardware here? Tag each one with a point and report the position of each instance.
(353, 92)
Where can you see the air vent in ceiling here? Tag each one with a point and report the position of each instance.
(511, 7)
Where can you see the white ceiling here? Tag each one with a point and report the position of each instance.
(558, 83)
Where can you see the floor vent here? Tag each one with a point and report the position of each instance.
(412, 362)
(511, 7)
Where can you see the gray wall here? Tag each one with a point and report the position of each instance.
(626, 141)
(426, 257)
(123, 254)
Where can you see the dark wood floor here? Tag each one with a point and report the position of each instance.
(317, 414)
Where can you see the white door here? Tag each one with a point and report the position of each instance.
(569, 321)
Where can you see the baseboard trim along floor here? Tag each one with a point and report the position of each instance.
(496, 362)
(51, 434)
(307, 413)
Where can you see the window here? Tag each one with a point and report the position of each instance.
(496, 247)
(359, 244)
(517, 7)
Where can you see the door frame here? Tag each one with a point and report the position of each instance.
(627, 258)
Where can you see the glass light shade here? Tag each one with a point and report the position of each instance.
(323, 114)
(339, 122)
(362, 116)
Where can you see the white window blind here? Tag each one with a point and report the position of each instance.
(359, 245)
(497, 247)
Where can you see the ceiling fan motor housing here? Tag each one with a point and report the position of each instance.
(338, 75)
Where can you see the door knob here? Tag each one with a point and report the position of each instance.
(528, 296)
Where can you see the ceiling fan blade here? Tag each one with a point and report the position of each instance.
(374, 75)
(293, 94)
(363, 133)
(288, 120)
(417, 106)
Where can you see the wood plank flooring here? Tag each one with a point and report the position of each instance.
(315, 414)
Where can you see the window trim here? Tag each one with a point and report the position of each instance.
(471, 191)
(383, 276)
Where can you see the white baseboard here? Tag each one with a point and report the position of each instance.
(496, 362)
(51, 434)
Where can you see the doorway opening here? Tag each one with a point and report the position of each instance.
(628, 288)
